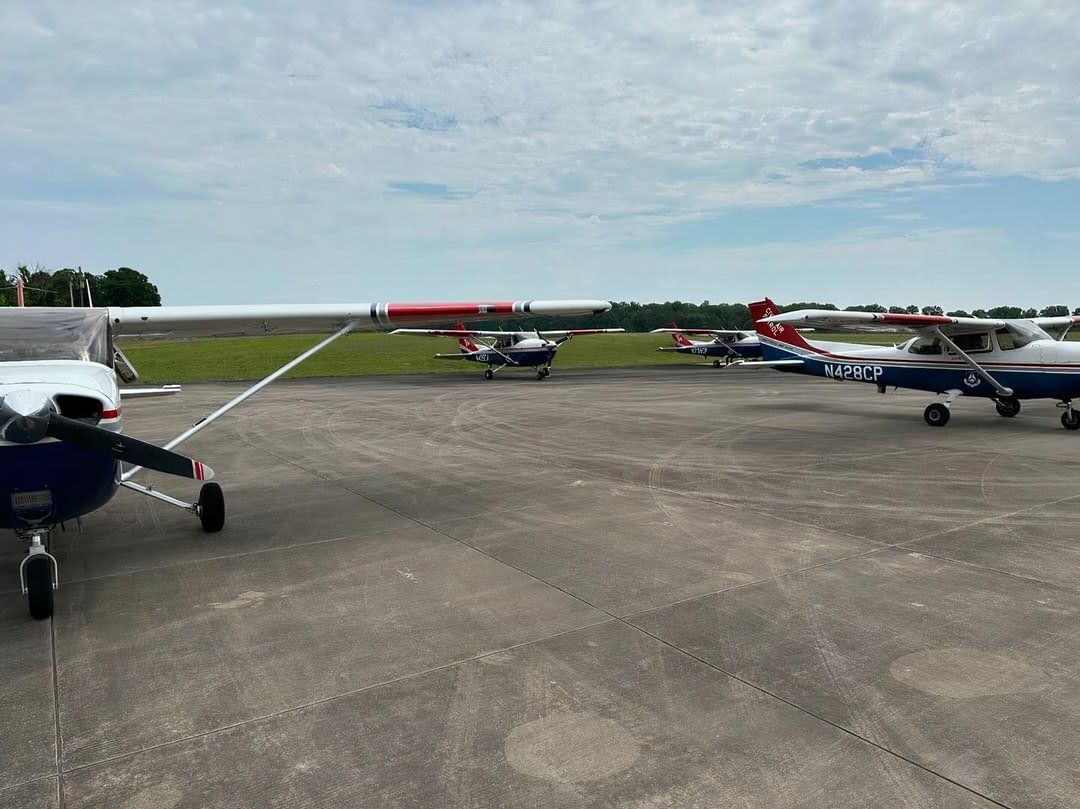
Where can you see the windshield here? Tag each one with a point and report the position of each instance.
(1017, 334)
(54, 334)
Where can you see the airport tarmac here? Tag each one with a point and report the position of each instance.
(650, 588)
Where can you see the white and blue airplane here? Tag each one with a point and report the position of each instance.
(726, 345)
(506, 349)
(1004, 360)
(61, 446)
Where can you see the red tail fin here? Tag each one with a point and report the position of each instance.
(680, 339)
(775, 331)
(466, 343)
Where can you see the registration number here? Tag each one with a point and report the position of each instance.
(854, 373)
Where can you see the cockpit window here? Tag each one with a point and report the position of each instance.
(925, 345)
(972, 343)
(1005, 340)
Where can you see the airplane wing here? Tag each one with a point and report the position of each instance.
(458, 356)
(248, 320)
(575, 332)
(828, 320)
(458, 333)
(1056, 327)
(713, 332)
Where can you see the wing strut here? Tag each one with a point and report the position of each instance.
(1001, 389)
(258, 386)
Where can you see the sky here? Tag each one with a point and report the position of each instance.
(273, 151)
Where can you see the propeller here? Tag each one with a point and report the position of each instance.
(28, 416)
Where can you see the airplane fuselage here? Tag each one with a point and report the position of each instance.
(48, 481)
(525, 353)
(735, 349)
(1042, 369)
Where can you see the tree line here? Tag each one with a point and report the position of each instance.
(68, 287)
(634, 316)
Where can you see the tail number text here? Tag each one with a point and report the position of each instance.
(854, 373)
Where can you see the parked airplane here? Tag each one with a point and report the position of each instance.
(61, 447)
(502, 349)
(1002, 360)
(729, 344)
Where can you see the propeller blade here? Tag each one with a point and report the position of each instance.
(125, 448)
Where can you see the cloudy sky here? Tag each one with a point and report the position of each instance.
(902, 152)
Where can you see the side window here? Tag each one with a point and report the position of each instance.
(969, 343)
(1005, 340)
(925, 345)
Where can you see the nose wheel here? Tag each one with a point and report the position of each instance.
(1070, 419)
(39, 575)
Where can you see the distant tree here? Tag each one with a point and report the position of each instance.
(126, 287)
(958, 313)
(933, 310)
(980, 313)
(1054, 311)
(912, 310)
(897, 310)
(792, 307)
(868, 307)
(1029, 313)
(1005, 312)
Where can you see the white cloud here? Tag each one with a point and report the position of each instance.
(274, 121)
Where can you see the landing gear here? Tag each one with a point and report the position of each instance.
(716, 363)
(211, 508)
(489, 374)
(39, 576)
(543, 373)
(1070, 419)
(1007, 406)
(936, 415)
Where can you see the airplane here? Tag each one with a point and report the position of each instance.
(730, 344)
(61, 446)
(1006, 360)
(502, 349)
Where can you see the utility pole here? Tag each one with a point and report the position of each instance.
(82, 286)
(71, 294)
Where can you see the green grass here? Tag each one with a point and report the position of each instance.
(244, 358)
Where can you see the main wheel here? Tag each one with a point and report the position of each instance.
(39, 589)
(936, 415)
(1070, 420)
(547, 372)
(716, 363)
(1007, 407)
(540, 374)
(211, 508)
(489, 374)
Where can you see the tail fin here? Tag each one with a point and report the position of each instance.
(774, 331)
(467, 345)
(680, 339)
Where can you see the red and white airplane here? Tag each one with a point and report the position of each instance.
(1002, 360)
(61, 447)
(506, 349)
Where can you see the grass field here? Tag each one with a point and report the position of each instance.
(363, 354)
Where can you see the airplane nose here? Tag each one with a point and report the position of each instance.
(26, 413)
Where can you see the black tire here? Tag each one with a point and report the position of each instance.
(211, 508)
(540, 375)
(936, 415)
(716, 363)
(547, 372)
(39, 588)
(1070, 420)
(1007, 407)
(489, 374)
